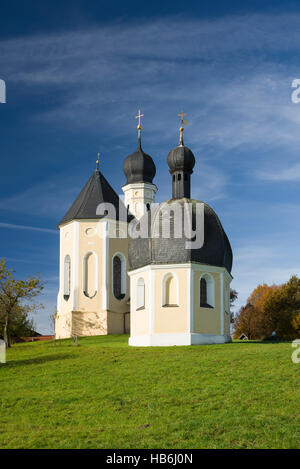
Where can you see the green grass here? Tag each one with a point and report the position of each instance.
(104, 394)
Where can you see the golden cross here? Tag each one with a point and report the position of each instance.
(182, 121)
(139, 118)
(181, 115)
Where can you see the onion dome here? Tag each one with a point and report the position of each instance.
(139, 167)
(181, 158)
(181, 162)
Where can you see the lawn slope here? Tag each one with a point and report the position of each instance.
(104, 394)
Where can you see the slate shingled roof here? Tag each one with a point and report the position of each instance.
(157, 249)
(96, 191)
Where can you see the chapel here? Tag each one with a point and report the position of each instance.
(160, 272)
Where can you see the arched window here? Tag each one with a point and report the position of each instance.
(140, 294)
(207, 291)
(67, 277)
(90, 274)
(119, 276)
(148, 207)
(170, 290)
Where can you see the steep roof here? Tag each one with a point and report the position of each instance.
(96, 191)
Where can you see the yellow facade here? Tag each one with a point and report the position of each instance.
(171, 310)
(207, 320)
(91, 307)
(183, 321)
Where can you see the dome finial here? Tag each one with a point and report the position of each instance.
(139, 127)
(97, 162)
(181, 129)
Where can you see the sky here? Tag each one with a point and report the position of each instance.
(76, 74)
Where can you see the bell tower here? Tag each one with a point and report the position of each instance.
(181, 162)
(139, 170)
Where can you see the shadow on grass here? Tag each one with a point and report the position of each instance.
(39, 360)
(263, 342)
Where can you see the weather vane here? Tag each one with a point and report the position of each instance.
(97, 162)
(182, 122)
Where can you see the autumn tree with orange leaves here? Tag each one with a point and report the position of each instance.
(252, 319)
(271, 309)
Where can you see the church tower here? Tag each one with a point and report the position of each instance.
(180, 288)
(139, 170)
(93, 296)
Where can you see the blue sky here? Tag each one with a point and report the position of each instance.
(76, 74)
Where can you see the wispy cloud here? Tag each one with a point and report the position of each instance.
(49, 198)
(232, 76)
(216, 68)
(25, 227)
(291, 173)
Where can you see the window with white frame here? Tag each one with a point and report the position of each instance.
(207, 291)
(67, 277)
(90, 275)
(140, 293)
(119, 276)
(170, 290)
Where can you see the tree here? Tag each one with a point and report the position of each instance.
(13, 293)
(270, 309)
(233, 296)
(244, 322)
(296, 324)
(252, 319)
(20, 325)
(283, 309)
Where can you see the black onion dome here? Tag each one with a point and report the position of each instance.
(156, 249)
(181, 158)
(139, 167)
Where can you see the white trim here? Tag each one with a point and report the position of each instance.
(151, 302)
(122, 257)
(190, 299)
(84, 273)
(75, 264)
(222, 302)
(105, 266)
(194, 266)
(226, 298)
(163, 286)
(140, 185)
(140, 293)
(58, 305)
(165, 340)
(67, 276)
(131, 305)
(210, 284)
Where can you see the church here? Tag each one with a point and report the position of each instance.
(135, 267)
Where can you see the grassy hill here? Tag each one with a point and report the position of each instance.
(104, 394)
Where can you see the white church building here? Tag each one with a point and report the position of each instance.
(160, 289)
